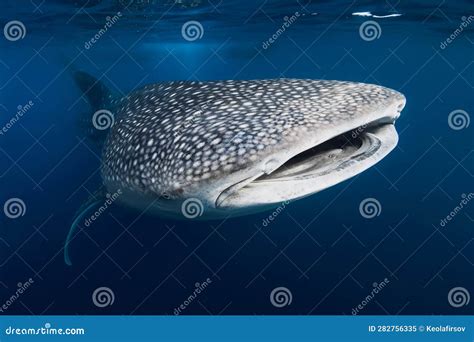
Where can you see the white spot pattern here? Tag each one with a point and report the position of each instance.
(171, 134)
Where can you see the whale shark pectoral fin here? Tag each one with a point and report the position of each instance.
(94, 200)
(95, 124)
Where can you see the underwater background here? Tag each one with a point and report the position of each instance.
(396, 239)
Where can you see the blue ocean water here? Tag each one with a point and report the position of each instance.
(326, 255)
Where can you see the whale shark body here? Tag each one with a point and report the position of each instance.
(237, 147)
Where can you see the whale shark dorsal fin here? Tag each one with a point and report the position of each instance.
(93, 201)
(94, 90)
(100, 117)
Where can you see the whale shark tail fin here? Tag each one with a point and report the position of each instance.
(101, 100)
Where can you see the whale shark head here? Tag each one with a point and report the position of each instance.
(242, 146)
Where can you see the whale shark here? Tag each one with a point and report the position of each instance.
(235, 147)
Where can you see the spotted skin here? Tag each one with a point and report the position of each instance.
(168, 136)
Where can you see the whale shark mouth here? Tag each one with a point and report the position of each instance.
(317, 168)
